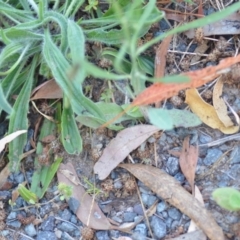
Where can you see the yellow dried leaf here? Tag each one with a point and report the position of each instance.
(206, 112)
(219, 104)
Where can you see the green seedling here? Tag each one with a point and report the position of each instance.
(92, 5)
(227, 198)
(65, 191)
(91, 188)
(27, 195)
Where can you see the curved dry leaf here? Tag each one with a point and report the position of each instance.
(9, 138)
(196, 235)
(89, 213)
(47, 90)
(161, 91)
(227, 26)
(206, 112)
(167, 188)
(188, 161)
(119, 148)
(219, 104)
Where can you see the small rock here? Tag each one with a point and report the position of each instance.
(12, 215)
(66, 214)
(129, 216)
(182, 47)
(30, 230)
(142, 229)
(4, 195)
(15, 224)
(159, 227)
(58, 233)
(76, 234)
(208, 11)
(5, 233)
(173, 165)
(73, 204)
(66, 236)
(144, 188)
(161, 207)
(148, 200)
(235, 155)
(204, 138)
(114, 234)
(46, 235)
(66, 227)
(102, 235)
(48, 224)
(138, 236)
(19, 202)
(174, 225)
(165, 214)
(138, 209)
(164, 25)
(169, 223)
(212, 156)
(19, 178)
(45, 209)
(73, 219)
(174, 213)
(117, 219)
(180, 177)
(151, 140)
(118, 184)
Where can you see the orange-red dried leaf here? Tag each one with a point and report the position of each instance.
(161, 91)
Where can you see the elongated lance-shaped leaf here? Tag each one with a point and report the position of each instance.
(4, 103)
(70, 134)
(18, 118)
(48, 128)
(60, 69)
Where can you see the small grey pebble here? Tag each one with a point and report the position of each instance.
(159, 227)
(169, 223)
(142, 229)
(15, 224)
(117, 219)
(45, 209)
(151, 140)
(46, 235)
(29, 176)
(173, 165)
(4, 195)
(186, 226)
(114, 234)
(5, 233)
(73, 204)
(231, 219)
(30, 230)
(19, 178)
(181, 47)
(137, 219)
(73, 219)
(192, 47)
(180, 177)
(102, 235)
(66, 227)
(118, 184)
(161, 206)
(19, 202)
(138, 209)
(76, 233)
(48, 224)
(208, 11)
(12, 215)
(163, 137)
(205, 138)
(65, 214)
(174, 213)
(212, 156)
(129, 216)
(143, 186)
(164, 25)
(138, 236)
(148, 200)
(235, 155)
(66, 236)
(174, 225)
(164, 214)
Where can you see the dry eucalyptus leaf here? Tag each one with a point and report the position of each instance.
(188, 161)
(9, 138)
(47, 90)
(206, 112)
(196, 235)
(192, 227)
(227, 26)
(89, 213)
(4, 175)
(219, 104)
(168, 188)
(120, 147)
